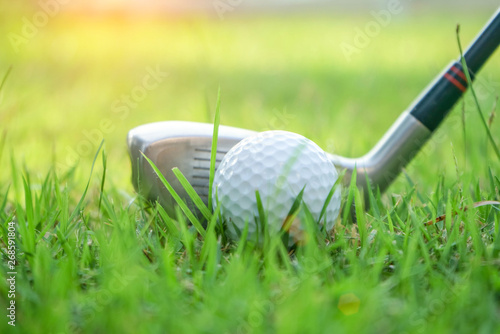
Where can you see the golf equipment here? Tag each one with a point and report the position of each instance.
(187, 145)
(279, 165)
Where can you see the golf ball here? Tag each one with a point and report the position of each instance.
(277, 164)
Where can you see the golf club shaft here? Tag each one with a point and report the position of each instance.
(415, 126)
(441, 96)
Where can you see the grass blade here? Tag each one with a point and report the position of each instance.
(469, 81)
(196, 223)
(293, 211)
(213, 154)
(243, 239)
(172, 228)
(29, 230)
(104, 163)
(464, 134)
(210, 248)
(330, 195)
(360, 217)
(262, 219)
(372, 202)
(4, 202)
(78, 207)
(205, 211)
(186, 237)
(348, 209)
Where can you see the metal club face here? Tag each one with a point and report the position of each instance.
(185, 145)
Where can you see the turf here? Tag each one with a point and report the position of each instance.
(100, 260)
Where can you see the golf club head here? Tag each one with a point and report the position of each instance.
(185, 145)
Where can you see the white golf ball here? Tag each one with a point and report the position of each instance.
(279, 165)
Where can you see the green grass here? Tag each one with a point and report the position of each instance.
(92, 257)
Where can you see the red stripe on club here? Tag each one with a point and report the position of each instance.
(455, 82)
(459, 72)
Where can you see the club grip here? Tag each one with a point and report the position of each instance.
(438, 99)
(432, 106)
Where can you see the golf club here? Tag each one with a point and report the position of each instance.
(187, 145)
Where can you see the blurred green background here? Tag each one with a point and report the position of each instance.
(279, 68)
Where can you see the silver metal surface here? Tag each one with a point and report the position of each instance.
(187, 145)
(395, 150)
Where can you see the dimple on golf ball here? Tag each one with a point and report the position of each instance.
(277, 164)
